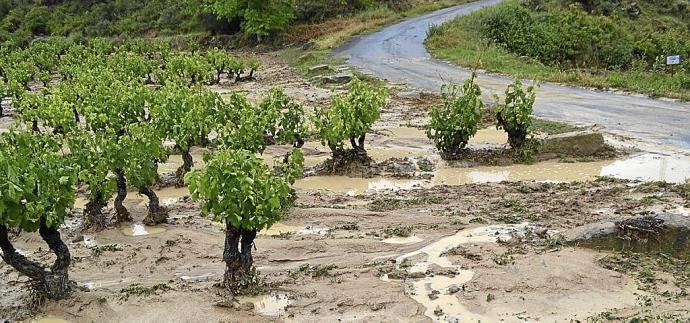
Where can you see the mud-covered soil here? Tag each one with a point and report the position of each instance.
(140, 278)
(333, 256)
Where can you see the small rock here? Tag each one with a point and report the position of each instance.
(453, 289)
(433, 295)
(318, 68)
(438, 311)
(416, 275)
(340, 78)
(541, 232)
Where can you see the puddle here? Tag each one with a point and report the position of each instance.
(490, 135)
(103, 284)
(168, 196)
(175, 161)
(50, 319)
(138, 229)
(401, 240)
(268, 305)
(90, 241)
(195, 279)
(354, 186)
(551, 171)
(279, 228)
(433, 254)
(651, 167)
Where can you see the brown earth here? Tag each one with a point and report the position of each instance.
(172, 273)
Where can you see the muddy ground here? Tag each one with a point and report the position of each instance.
(352, 248)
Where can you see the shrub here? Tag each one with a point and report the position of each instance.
(239, 189)
(37, 186)
(350, 117)
(454, 123)
(514, 115)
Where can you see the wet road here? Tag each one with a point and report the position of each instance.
(397, 54)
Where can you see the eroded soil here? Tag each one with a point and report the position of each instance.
(340, 254)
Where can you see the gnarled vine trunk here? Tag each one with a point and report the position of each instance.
(358, 145)
(54, 283)
(516, 137)
(93, 213)
(187, 164)
(121, 212)
(157, 213)
(239, 272)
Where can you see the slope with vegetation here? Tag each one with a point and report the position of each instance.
(594, 43)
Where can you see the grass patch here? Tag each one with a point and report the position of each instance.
(316, 271)
(461, 42)
(138, 290)
(549, 127)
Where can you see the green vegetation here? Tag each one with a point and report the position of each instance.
(398, 231)
(602, 44)
(37, 186)
(549, 127)
(514, 115)
(350, 118)
(453, 124)
(239, 189)
(257, 17)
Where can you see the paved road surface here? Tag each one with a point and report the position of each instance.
(397, 54)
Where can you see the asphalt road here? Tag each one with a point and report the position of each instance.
(397, 54)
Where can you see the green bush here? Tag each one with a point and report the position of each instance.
(238, 188)
(350, 117)
(514, 114)
(454, 123)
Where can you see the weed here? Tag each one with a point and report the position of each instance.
(138, 290)
(316, 271)
(398, 231)
(503, 259)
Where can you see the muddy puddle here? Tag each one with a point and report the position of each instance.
(353, 186)
(445, 305)
(651, 167)
(138, 229)
(485, 136)
(268, 305)
(646, 167)
(175, 161)
(93, 285)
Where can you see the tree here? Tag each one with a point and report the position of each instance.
(350, 117)
(514, 115)
(454, 123)
(37, 186)
(239, 189)
(258, 17)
